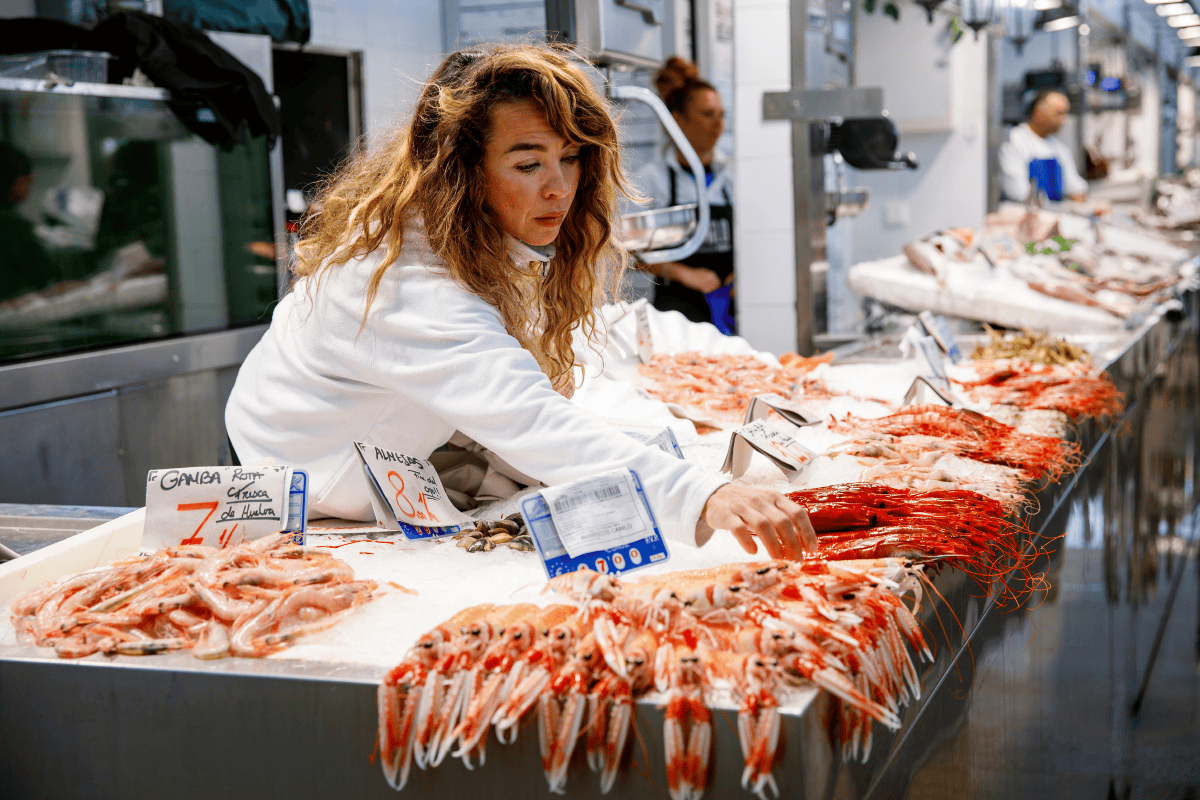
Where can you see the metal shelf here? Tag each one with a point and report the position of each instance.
(46, 86)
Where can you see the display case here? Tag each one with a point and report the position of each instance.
(121, 226)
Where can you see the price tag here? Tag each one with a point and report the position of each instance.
(603, 523)
(922, 391)
(939, 329)
(774, 441)
(664, 440)
(219, 506)
(408, 496)
(645, 344)
(928, 348)
(763, 404)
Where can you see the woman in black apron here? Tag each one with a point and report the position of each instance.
(700, 285)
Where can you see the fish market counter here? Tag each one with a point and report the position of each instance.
(174, 725)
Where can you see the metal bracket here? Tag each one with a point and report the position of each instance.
(681, 143)
(820, 104)
(649, 13)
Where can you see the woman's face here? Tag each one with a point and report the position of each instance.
(531, 172)
(702, 120)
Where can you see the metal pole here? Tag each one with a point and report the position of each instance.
(802, 193)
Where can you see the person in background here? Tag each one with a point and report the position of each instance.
(24, 264)
(700, 285)
(1033, 153)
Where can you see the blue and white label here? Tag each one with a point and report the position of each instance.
(939, 329)
(603, 523)
(297, 506)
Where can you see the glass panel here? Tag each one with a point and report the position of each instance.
(499, 20)
(118, 225)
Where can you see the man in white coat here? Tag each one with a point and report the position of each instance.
(1032, 142)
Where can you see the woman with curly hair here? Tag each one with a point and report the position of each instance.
(438, 288)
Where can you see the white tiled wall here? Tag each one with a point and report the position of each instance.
(401, 41)
(950, 187)
(763, 228)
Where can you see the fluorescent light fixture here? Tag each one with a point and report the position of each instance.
(1160, 2)
(1046, 5)
(1185, 21)
(1174, 9)
(1192, 61)
(1188, 33)
(1062, 23)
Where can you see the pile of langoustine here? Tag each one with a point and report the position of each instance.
(250, 599)
(722, 384)
(752, 633)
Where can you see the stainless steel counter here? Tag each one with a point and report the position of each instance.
(1040, 702)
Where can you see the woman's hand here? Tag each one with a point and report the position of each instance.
(746, 512)
(696, 278)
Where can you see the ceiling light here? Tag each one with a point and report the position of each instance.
(1061, 24)
(1185, 21)
(1046, 5)
(1174, 9)
(1188, 33)
(1192, 61)
(1160, 2)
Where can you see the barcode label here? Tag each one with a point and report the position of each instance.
(575, 501)
(597, 513)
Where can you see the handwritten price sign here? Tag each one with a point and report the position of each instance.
(217, 506)
(407, 494)
(775, 441)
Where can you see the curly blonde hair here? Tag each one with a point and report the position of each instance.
(433, 169)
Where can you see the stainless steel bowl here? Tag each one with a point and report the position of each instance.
(659, 228)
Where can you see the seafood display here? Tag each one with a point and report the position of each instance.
(962, 529)
(928, 463)
(741, 635)
(721, 385)
(1036, 348)
(251, 599)
(977, 437)
(1018, 382)
(509, 532)
(1053, 270)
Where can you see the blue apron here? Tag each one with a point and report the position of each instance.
(716, 253)
(1048, 175)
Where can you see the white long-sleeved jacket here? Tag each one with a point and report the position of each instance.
(1023, 146)
(431, 359)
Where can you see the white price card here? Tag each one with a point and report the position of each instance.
(645, 344)
(922, 391)
(772, 439)
(219, 506)
(598, 513)
(407, 494)
(763, 404)
(664, 440)
(929, 350)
